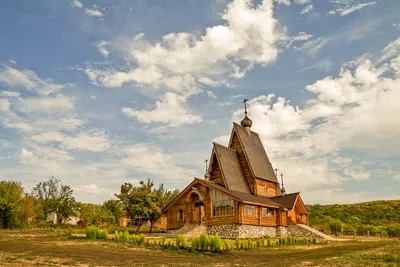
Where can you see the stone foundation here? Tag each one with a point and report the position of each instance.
(245, 231)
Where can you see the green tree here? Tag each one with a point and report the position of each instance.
(139, 202)
(91, 213)
(53, 195)
(112, 211)
(12, 209)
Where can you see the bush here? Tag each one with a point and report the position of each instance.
(269, 244)
(102, 234)
(204, 242)
(163, 240)
(142, 239)
(258, 243)
(216, 243)
(314, 241)
(227, 245)
(238, 243)
(91, 232)
(121, 235)
(116, 235)
(126, 236)
(180, 241)
(196, 243)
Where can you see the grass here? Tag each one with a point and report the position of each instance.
(43, 248)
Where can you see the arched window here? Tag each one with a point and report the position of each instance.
(181, 216)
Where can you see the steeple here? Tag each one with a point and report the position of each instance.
(283, 188)
(246, 122)
(207, 175)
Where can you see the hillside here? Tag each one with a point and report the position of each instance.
(372, 216)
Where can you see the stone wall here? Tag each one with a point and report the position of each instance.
(297, 230)
(245, 231)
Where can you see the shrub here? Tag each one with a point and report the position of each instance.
(142, 239)
(258, 243)
(102, 234)
(180, 241)
(216, 243)
(227, 245)
(163, 240)
(121, 235)
(204, 242)
(314, 241)
(238, 243)
(196, 243)
(269, 244)
(91, 232)
(126, 236)
(116, 235)
(249, 244)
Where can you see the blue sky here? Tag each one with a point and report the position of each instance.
(97, 93)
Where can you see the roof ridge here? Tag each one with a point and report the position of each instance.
(217, 144)
(287, 194)
(237, 124)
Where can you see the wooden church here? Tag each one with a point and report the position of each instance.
(240, 195)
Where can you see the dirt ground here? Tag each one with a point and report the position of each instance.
(40, 248)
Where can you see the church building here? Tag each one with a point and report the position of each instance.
(239, 196)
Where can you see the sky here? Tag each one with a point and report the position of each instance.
(98, 93)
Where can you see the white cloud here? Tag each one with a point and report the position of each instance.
(4, 105)
(102, 46)
(152, 160)
(284, 2)
(307, 9)
(171, 110)
(76, 3)
(28, 80)
(94, 13)
(301, 36)
(183, 62)
(347, 7)
(48, 137)
(95, 141)
(46, 104)
(302, 2)
(9, 94)
(351, 111)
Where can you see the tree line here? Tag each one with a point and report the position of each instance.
(374, 216)
(141, 204)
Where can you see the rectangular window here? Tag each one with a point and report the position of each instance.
(267, 212)
(222, 205)
(249, 210)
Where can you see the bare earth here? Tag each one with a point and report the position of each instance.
(39, 248)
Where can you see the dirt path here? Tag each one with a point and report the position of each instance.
(36, 248)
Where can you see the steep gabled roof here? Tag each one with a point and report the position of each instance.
(246, 198)
(255, 153)
(288, 201)
(231, 169)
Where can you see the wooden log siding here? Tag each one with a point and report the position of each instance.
(265, 188)
(172, 215)
(216, 174)
(258, 219)
(243, 162)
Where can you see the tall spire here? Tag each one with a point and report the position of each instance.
(283, 188)
(207, 175)
(246, 122)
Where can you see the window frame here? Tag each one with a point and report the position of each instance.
(180, 211)
(224, 198)
(268, 214)
(247, 207)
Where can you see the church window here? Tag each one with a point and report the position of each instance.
(181, 216)
(249, 210)
(222, 205)
(267, 212)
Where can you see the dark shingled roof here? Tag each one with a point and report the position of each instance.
(231, 169)
(240, 196)
(287, 201)
(255, 152)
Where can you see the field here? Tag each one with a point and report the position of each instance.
(41, 248)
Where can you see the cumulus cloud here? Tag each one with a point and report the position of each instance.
(96, 141)
(94, 13)
(350, 111)
(171, 110)
(76, 3)
(182, 63)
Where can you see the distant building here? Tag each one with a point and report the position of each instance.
(52, 217)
